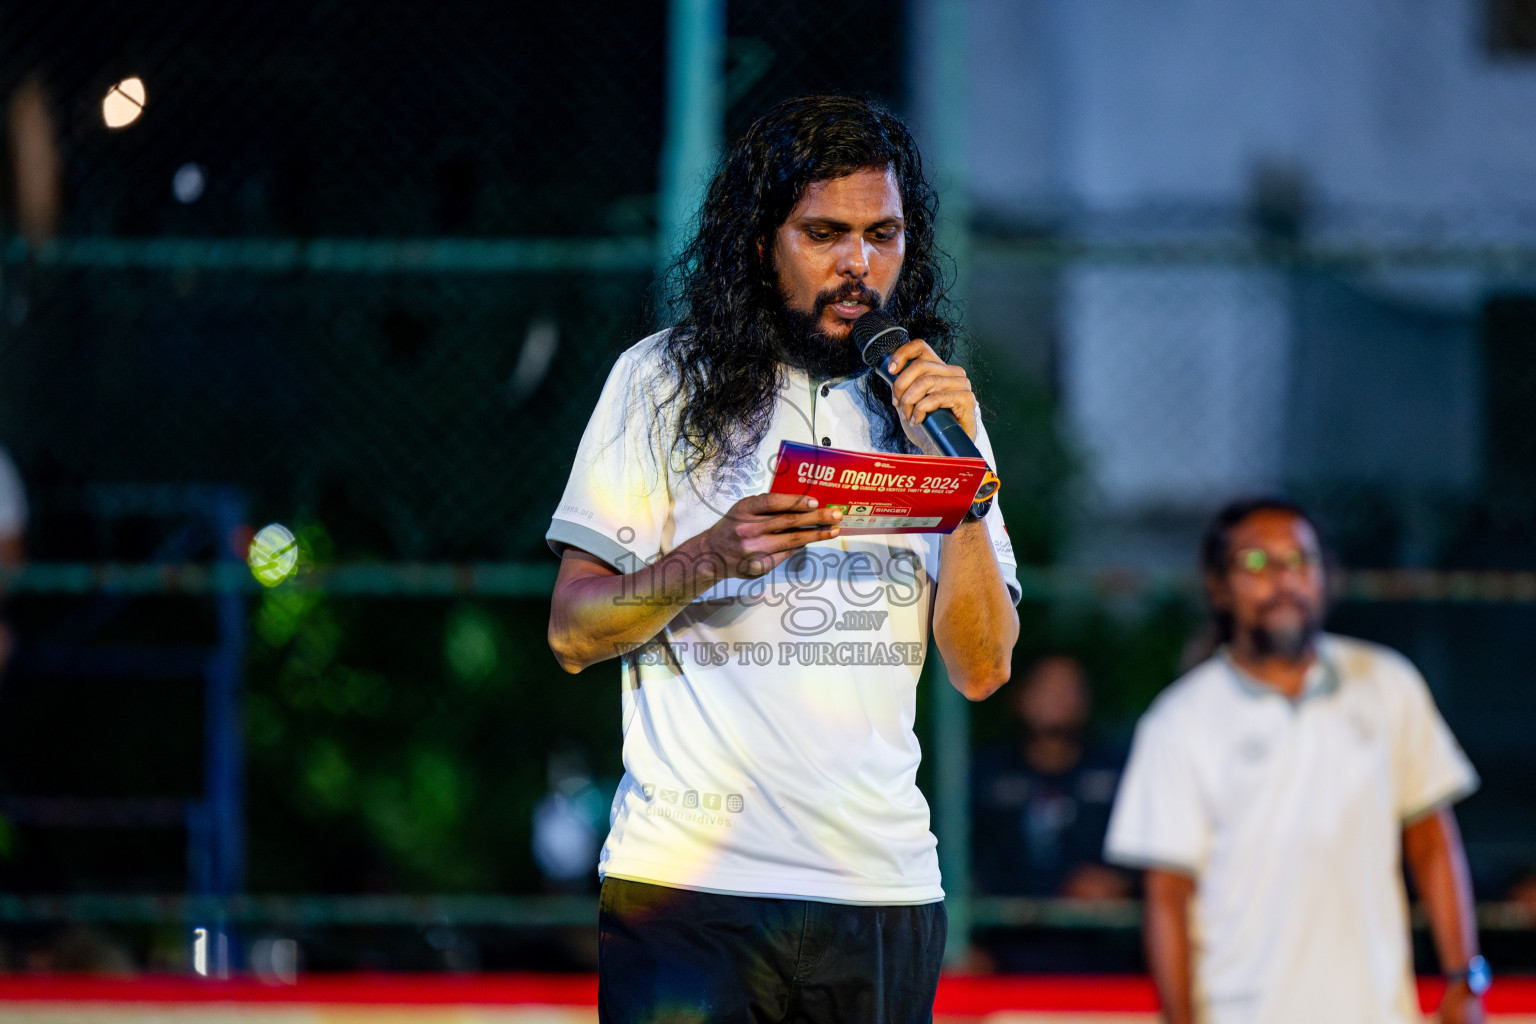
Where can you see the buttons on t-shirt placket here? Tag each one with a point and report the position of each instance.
(825, 390)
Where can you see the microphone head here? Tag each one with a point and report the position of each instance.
(877, 336)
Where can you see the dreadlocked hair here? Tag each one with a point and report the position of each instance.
(722, 352)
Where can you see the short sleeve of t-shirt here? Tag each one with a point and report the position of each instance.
(1431, 768)
(997, 529)
(615, 503)
(13, 498)
(1159, 818)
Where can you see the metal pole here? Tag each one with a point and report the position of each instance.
(949, 23)
(223, 816)
(695, 118)
(952, 817)
(945, 24)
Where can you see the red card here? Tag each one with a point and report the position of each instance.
(880, 493)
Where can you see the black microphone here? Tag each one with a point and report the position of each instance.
(877, 336)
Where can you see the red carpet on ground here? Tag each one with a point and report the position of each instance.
(958, 995)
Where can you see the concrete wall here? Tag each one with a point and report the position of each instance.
(1379, 121)
(1101, 105)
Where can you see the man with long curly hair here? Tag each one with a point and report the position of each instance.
(769, 856)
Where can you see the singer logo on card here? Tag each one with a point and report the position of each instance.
(881, 493)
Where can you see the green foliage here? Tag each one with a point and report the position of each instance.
(401, 745)
(470, 646)
(1131, 651)
(1035, 458)
(1131, 648)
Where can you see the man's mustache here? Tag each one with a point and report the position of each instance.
(1284, 599)
(852, 292)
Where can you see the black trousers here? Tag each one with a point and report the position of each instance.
(675, 956)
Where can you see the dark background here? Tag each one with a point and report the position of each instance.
(398, 743)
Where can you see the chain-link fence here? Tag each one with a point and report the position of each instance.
(363, 270)
(421, 389)
(1382, 382)
(374, 286)
(432, 414)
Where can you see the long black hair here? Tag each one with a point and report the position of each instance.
(723, 352)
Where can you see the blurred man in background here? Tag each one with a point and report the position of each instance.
(1272, 794)
(1040, 804)
(1041, 799)
(1522, 893)
(769, 855)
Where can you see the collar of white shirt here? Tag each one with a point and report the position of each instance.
(1322, 678)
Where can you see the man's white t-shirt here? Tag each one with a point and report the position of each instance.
(768, 743)
(1289, 815)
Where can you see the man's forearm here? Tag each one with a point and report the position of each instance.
(1432, 847)
(598, 613)
(1166, 933)
(974, 621)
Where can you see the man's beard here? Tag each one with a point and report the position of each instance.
(1290, 645)
(805, 346)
